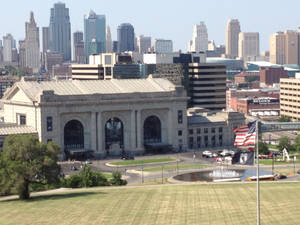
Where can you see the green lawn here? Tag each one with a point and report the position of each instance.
(269, 162)
(174, 167)
(142, 161)
(164, 204)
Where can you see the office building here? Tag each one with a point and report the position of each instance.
(125, 37)
(143, 44)
(52, 59)
(163, 46)
(94, 34)
(32, 45)
(199, 43)
(60, 31)
(22, 54)
(277, 48)
(46, 39)
(248, 45)
(232, 38)
(207, 86)
(8, 45)
(78, 48)
(115, 46)
(291, 47)
(109, 44)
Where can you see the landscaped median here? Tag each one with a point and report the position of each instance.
(141, 162)
(175, 167)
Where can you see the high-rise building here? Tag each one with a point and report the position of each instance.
(143, 43)
(22, 54)
(46, 39)
(32, 45)
(78, 47)
(199, 42)
(60, 31)
(248, 45)
(277, 48)
(109, 43)
(115, 46)
(291, 47)
(8, 45)
(94, 33)
(163, 46)
(232, 38)
(125, 37)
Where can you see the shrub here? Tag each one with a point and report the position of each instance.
(117, 180)
(74, 181)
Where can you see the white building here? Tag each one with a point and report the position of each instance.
(232, 38)
(155, 58)
(8, 45)
(107, 117)
(163, 46)
(32, 45)
(199, 42)
(108, 40)
(248, 45)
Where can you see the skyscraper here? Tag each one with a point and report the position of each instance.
(291, 47)
(277, 48)
(163, 46)
(8, 45)
(232, 38)
(60, 30)
(78, 47)
(95, 34)
(32, 45)
(125, 37)
(22, 54)
(46, 39)
(248, 44)
(143, 43)
(109, 43)
(199, 42)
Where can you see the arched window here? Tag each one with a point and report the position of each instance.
(73, 135)
(152, 130)
(114, 132)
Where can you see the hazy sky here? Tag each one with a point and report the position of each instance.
(168, 19)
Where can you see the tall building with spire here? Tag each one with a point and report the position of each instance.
(232, 38)
(32, 45)
(199, 43)
(60, 31)
(108, 40)
(94, 33)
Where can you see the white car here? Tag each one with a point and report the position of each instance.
(207, 154)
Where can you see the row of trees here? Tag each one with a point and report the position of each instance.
(27, 164)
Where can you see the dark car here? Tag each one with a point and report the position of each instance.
(127, 156)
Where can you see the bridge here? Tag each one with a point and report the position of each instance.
(278, 126)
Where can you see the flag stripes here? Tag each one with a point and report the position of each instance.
(245, 135)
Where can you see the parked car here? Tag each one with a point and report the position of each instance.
(215, 155)
(225, 153)
(207, 154)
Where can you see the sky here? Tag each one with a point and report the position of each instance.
(167, 19)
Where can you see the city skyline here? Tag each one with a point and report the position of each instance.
(175, 24)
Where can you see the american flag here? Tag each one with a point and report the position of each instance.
(245, 135)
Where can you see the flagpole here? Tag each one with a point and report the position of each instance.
(257, 176)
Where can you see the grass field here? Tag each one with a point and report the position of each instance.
(174, 167)
(269, 162)
(164, 204)
(142, 161)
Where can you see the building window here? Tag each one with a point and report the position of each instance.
(191, 131)
(220, 140)
(206, 141)
(213, 141)
(21, 119)
(199, 141)
(49, 123)
(180, 133)
(220, 129)
(191, 142)
(108, 71)
(198, 130)
(205, 130)
(49, 140)
(1, 145)
(179, 116)
(213, 130)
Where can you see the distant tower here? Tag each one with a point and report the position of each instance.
(248, 45)
(125, 37)
(60, 31)
(108, 40)
(163, 46)
(232, 38)
(199, 42)
(8, 45)
(78, 47)
(94, 33)
(277, 48)
(32, 45)
(143, 44)
(22, 55)
(46, 39)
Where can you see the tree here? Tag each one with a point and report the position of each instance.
(285, 143)
(284, 119)
(26, 161)
(263, 148)
(297, 144)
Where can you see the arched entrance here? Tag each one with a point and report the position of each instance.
(152, 130)
(114, 133)
(73, 135)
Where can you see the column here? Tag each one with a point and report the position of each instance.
(170, 126)
(100, 133)
(93, 131)
(132, 131)
(139, 130)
